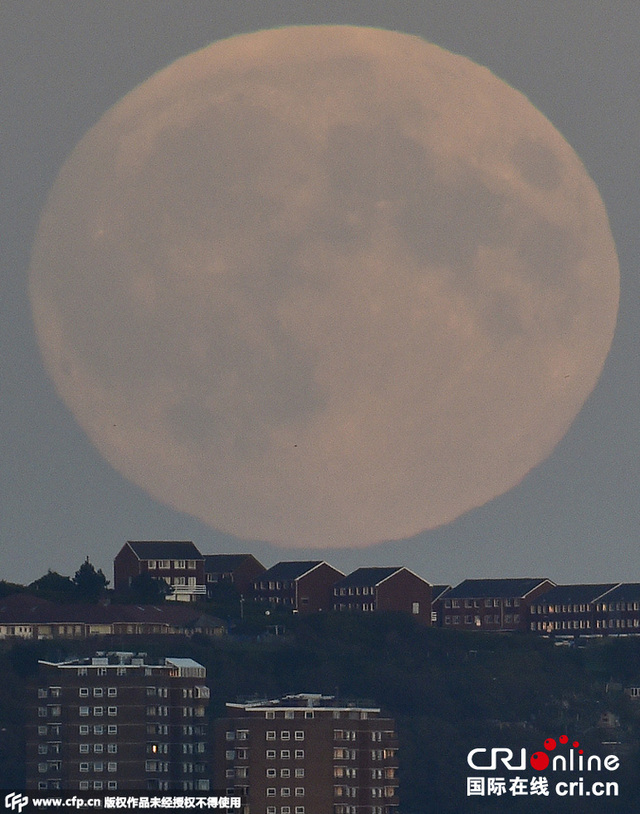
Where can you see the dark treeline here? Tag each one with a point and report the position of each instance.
(449, 692)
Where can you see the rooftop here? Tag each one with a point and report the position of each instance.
(367, 576)
(289, 570)
(481, 588)
(164, 549)
(575, 594)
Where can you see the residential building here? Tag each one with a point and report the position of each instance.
(618, 610)
(308, 754)
(30, 617)
(384, 589)
(437, 593)
(239, 570)
(569, 610)
(117, 721)
(491, 604)
(178, 562)
(301, 586)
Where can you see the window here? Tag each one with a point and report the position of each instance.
(82, 671)
(84, 729)
(299, 754)
(300, 791)
(151, 565)
(285, 735)
(271, 735)
(98, 747)
(299, 809)
(299, 773)
(112, 748)
(271, 772)
(97, 692)
(289, 713)
(112, 710)
(270, 714)
(98, 711)
(285, 754)
(164, 564)
(112, 729)
(271, 792)
(285, 772)
(84, 748)
(102, 671)
(299, 735)
(309, 713)
(285, 792)
(84, 711)
(112, 692)
(415, 607)
(84, 767)
(179, 564)
(112, 784)
(271, 754)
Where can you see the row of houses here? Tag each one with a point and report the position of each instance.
(535, 605)
(30, 617)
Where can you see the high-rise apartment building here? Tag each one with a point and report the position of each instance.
(117, 721)
(307, 754)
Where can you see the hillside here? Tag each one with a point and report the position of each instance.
(449, 692)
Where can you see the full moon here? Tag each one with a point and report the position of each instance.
(324, 286)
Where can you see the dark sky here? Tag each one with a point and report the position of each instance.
(63, 64)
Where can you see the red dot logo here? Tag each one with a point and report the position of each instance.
(563, 739)
(549, 744)
(576, 744)
(539, 761)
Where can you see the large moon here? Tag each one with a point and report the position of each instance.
(324, 286)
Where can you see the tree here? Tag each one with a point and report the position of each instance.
(148, 590)
(90, 584)
(54, 586)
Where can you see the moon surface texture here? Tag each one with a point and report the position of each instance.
(324, 286)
